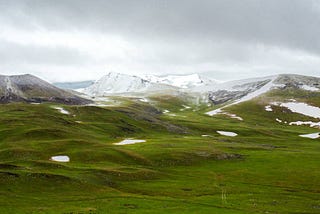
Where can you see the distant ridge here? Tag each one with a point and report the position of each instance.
(73, 85)
(28, 88)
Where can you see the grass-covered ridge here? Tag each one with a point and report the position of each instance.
(266, 168)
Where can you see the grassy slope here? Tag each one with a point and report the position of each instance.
(267, 168)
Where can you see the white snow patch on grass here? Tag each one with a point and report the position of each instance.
(220, 111)
(60, 158)
(144, 100)
(312, 136)
(172, 115)
(278, 120)
(166, 111)
(214, 112)
(301, 108)
(268, 108)
(229, 134)
(234, 116)
(310, 123)
(129, 141)
(309, 88)
(186, 107)
(62, 110)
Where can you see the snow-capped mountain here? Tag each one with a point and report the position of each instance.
(243, 90)
(181, 81)
(217, 93)
(28, 88)
(115, 83)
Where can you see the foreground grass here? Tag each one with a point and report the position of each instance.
(267, 168)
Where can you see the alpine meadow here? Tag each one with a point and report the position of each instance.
(159, 106)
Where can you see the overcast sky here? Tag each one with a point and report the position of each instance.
(69, 40)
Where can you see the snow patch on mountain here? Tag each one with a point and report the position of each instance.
(181, 81)
(310, 123)
(301, 108)
(309, 88)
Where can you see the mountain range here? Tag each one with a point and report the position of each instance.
(29, 88)
(216, 92)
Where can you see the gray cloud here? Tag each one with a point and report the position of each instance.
(178, 36)
(12, 53)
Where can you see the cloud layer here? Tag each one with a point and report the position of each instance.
(67, 40)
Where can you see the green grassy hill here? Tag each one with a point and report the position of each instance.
(267, 168)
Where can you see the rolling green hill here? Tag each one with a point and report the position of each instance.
(184, 166)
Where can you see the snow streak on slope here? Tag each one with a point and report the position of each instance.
(267, 87)
(237, 85)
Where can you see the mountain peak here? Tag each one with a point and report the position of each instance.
(181, 81)
(29, 88)
(116, 83)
